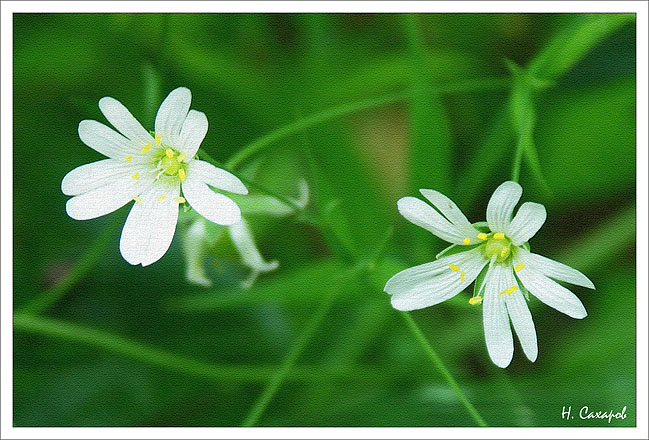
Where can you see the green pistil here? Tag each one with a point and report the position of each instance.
(500, 247)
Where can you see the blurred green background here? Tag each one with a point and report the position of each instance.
(385, 104)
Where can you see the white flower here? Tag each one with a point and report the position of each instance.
(500, 245)
(199, 237)
(150, 169)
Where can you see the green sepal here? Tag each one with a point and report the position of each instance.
(482, 227)
(479, 280)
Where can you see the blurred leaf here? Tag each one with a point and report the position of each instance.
(430, 158)
(586, 140)
(574, 41)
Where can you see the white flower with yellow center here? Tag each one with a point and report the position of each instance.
(151, 170)
(498, 257)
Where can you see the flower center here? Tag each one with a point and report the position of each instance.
(172, 164)
(498, 245)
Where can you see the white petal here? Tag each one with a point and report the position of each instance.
(431, 283)
(93, 175)
(528, 220)
(171, 115)
(554, 269)
(105, 199)
(150, 226)
(522, 320)
(450, 210)
(105, 140)
(192, 133)
(216, 177)
(245, 244)
(194, 250)
(215, 207)
(498, 334)
(501, 205)
(123, 120)
(550, 292)
(425, 216)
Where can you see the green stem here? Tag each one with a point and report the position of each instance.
(518, 158)
(39, 303)
(288, 364)
(259, 144)
(297, 208)
(434, 357)
(129, 348)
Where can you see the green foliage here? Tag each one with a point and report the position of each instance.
(366, 109)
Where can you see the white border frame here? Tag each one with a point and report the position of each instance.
(6, 176)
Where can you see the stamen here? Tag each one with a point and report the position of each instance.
(463, 276)
(182, 157)
(181, 174)
(137, 199)
(136, 176)
(482, 236)
(179, 199)
(157, 139)
(475, 300)
(467, 240)
(146, 148)
(170, 153)
(162, 197)
(504, 252)
(454, 268)
(128, 158)
(499, 236)
(509, 291)
(519, 267)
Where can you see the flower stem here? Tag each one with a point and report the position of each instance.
(41, 302)
(434, 357)
(259, 144)
(297, 208)
(288, 364)
(129, 348)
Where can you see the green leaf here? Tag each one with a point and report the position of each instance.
(574, 41)
(586, 140)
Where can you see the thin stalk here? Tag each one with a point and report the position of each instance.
(41, 302)
(434, 357)
(308, 215)
(58, 329)
(288, 364)
(259, 144)
(518, 159)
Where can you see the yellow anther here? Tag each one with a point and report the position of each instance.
(136, 176)
(509, 291)
(137, 199)
(181, 174)
(157, 139)
(170, 153)
(475, 300)
(454, 268)
(161, 198)
(504, 252)
(482, 236)
(499, 235)
(519, 267)
(179, 199)
(463, 276)
(182, 157)
(146, 148)
(467, 240)
(128, 158)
